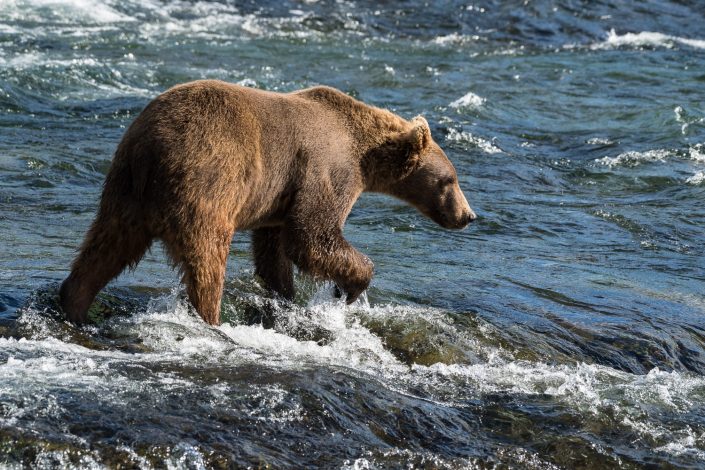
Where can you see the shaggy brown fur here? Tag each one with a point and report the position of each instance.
(207, 158)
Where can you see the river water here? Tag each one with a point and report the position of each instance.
(564, 329)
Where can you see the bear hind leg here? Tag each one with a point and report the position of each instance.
(111, 244)
(203, 261)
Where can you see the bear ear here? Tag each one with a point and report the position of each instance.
(399, 156)
(419, 136)
(413, 143)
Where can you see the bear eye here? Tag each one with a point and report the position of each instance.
(443, 182)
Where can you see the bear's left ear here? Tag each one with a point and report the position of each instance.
(412, 144)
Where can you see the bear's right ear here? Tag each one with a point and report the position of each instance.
(411, 145)
(399, 155)
(418, 138)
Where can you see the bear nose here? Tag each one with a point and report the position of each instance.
(470, 216)
(463, 221)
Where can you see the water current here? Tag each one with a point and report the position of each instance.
(564, 329)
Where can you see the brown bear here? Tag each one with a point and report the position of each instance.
(208, 158)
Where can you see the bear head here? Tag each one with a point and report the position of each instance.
(412, 167)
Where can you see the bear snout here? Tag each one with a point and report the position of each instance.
(458, 214)
(461, 220)
(468, 217)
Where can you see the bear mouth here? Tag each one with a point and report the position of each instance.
(443, 221)
(458, 225)
(452, 224)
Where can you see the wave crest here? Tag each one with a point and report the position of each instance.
(646, 39)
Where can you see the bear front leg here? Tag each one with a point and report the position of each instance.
(272, 264)
(324, 253)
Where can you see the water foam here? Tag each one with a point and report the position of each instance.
(355, 346)
(636, 401)
(602, 141)
(634, 158)
(696, 179)
(214, 20)
(464, 137)
(697, 153)
(172, 333)
(687, 121)
(69, 11)
(468, 100)
(646, 39)
(159, 21)
(351, 344)
(454, 39)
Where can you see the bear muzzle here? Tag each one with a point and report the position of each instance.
(460, 221)
(459, 214)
